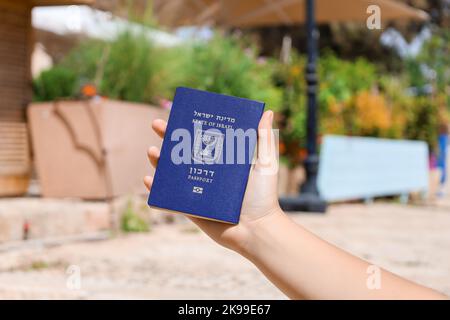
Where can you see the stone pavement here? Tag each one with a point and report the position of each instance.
(50, 218)
(178, 261)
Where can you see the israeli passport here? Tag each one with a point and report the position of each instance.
(206, 155)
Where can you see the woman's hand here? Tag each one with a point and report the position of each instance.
(260, 200)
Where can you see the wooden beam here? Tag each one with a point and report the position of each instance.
(170, 12)
(279, 11)
(208, 14)
(60, 2)
(270, 6)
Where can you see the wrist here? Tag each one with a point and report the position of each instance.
(260, 232)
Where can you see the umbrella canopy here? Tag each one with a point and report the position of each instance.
(252, 13)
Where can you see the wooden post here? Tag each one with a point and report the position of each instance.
(15, 93)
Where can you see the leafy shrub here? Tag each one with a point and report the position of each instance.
(436, 55)
(289, 77)
(133, 70)
(129, 68)
(225, 65)
(131, 221)
(57, 82)
(423, 121)
(340, 85)
(340, 79)
(372, 116)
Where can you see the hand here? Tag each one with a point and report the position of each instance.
(260, 200)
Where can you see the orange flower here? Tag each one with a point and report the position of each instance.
(89, 90)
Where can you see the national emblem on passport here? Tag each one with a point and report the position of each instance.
(208, 146)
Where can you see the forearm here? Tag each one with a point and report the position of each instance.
(304, 266)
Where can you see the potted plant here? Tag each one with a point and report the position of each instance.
(90, 122)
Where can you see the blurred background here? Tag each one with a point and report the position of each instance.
(360, 91)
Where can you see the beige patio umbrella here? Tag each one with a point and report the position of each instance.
(249, 13)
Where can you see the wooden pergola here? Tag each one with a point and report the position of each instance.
(16, 44)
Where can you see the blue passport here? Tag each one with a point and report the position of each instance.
(206, 155)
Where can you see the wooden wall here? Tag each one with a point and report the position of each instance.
(15, 94)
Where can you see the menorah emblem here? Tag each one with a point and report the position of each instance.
(208, 146)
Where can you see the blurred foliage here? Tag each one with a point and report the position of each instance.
(343, 97)
(129, 68)
(132, 221)
(341, 79)
(436, 55)
(423, 121)
(57, 82)
(225, 65)
(355, 97)
(368, 113)
(289, 78)
(39, 265)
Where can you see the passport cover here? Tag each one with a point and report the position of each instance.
(211, 180)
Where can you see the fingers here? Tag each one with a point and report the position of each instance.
(266, 156)
(148, 181)
(159, 126)
(153, 154)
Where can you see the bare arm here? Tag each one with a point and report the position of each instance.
(299, 263)
(304, 266)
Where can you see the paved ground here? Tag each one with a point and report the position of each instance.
(178, 261)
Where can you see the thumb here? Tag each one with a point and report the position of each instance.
(267, 151)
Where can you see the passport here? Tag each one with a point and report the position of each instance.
(206, 155)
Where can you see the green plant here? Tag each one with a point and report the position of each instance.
(436, 55)
(289, 77)
(131, 221)
(39, 265)
(340, 79)
(340, 82)
(423, 121)
(128, 68)
(224, 65)
(133, 69)
(190, 229)
(425, 114)
(57, 82)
